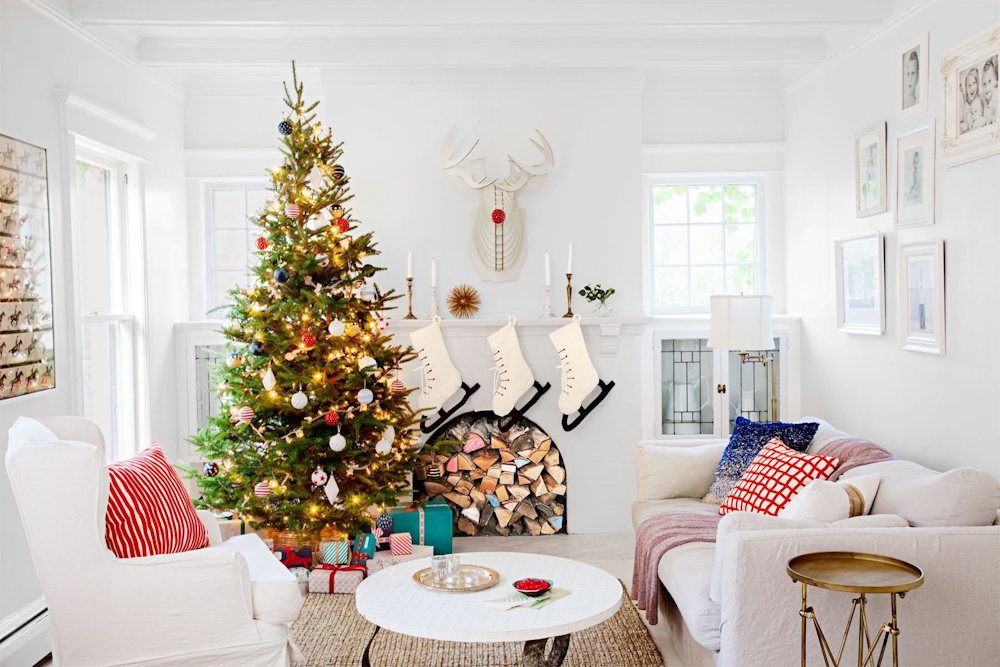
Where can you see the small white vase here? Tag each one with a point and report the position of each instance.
(601, 309)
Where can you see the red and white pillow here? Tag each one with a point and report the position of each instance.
(149, 512)
(774, 477)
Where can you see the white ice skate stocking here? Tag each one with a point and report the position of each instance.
(439, 378)
(579, 377)
(511, 376)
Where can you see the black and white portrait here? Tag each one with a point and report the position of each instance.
(977, 91)
(912, 190)
(912, 64)
(911, 78)
(970, 124)
(870, 170)
(915, 176)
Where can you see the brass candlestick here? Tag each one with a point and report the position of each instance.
(569, 295)
(409, 299)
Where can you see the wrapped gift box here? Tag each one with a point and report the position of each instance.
(400, 544)
(336, 553)
(384, 559)
(364, 547)
(233, 527)
(429, 525)
(336, 578)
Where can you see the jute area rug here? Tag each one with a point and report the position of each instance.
(331, 633)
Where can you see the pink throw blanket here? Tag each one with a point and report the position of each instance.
(659, 534)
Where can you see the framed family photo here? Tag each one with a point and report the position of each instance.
(860, 272)
(971, 127)
(921, 296)
(912, 64)
(869, 170)
(915, 176)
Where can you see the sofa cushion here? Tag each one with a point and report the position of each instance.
(275, 590)
(821, 500)
(825, 434)
(684, 469)
(924, 497)
(643, 510)
(686, 572)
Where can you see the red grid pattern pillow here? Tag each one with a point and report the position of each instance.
(149, 512)
(775, 475)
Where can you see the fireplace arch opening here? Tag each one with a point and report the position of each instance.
(496, 482)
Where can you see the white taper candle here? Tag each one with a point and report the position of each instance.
(569, 261)
(409, 263)
(434, 272)
(547, 283)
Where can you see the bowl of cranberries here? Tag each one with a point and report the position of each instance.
(533, 587)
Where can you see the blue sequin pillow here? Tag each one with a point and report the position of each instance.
(748, 438)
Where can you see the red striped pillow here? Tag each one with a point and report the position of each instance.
(149, 512)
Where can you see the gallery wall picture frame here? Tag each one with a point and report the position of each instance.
(922, 296)
(971, 121)
(27, 347)
(870, 170)
(913, 66)
(860, 280)
(914, 182)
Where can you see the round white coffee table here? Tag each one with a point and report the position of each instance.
(392, 600)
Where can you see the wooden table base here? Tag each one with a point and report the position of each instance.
(534, 651)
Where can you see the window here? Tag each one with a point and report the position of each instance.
(706, 237)
(110, 283)
(231, 236)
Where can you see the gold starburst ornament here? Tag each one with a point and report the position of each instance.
(463, 301)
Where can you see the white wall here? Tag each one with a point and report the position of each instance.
(29, 111)
(939, 411)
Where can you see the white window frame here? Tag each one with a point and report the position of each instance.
(650, 181)
(129, 308)
(208, 193)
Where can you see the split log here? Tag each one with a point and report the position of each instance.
(544, 510)
(465, 463)
(532, 526)
(557, 473)
(488, 485)
(506, 478)
(504, 516)
(507, 456)
(537, 456)
(494, 473)
(544, 445)
(532, 472)
(478, 497)
(558, 508)
(522, 480)
(547, 528)
(501, 493)
(519, 492)
(467, 526)
(526, 508)
(472, 514)
(465, 487)
(552, 458)
(485, 459)
(435, 488)
(454, 479)
(497, 443)
(458, 499)
(539, 488)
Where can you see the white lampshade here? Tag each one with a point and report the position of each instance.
(741, 323)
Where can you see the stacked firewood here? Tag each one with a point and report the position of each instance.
(497, 482)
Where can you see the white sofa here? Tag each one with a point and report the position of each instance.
(731, 603)
(227, 604)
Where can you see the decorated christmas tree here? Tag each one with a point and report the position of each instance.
(316, 431)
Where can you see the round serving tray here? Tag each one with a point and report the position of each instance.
(484, 578)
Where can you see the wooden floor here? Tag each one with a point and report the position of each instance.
(610, 552)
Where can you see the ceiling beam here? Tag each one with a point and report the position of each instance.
(389, 13)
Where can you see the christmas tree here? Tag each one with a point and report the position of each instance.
(316, 431)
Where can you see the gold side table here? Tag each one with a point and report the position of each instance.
(863, 574)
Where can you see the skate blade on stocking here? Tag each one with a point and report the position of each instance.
(505, 422)
(606, 388)
(443, 415)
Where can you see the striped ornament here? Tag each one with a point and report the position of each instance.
(262, 490)
(398, 386)
(292, 211)
(245, 414)
(149, 512)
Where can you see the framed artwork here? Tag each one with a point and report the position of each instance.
(971, 127)
(915, 176)
(921, 296)
(860, 273)
(912, 66)
(869, 170)
(27, 361)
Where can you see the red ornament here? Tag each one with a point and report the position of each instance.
(499, 216)
(292, 211)
(261, 243)
(331, 418)
(308, 340)
(397, 386)
(343, 225)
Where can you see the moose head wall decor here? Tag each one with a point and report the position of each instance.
(498, 241)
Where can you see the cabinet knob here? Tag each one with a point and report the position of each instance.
(720, 388)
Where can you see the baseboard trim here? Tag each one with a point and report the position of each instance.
(26, 635)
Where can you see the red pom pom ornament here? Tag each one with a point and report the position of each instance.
(331, 418)
(499, 216)
(261, 243)
(308, 340)
(343, 225)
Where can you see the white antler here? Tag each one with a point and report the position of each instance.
(473, 175)
(521, 175)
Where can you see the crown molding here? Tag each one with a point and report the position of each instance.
(257, 153)
(714, 149)
(102, 113)
(66, 21)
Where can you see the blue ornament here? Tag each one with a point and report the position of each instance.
(257, 348)
(285, 128)
(211, 469)
(385, 522)
(281, 275)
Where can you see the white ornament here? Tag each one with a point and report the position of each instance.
(332, 492)
(365, 396)
(338, 442)
(383, 324)
(367, 293)
(322, 259)
(269, 380)
(495, 266)
(367, 362)
(319, 477)
(316, 178)
(316, 223)
(384, 446)
(299, 400)
(336, 328)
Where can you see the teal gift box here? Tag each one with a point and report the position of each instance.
(364, 548)
(430, 524)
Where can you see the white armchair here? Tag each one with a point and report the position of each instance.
(193, 609)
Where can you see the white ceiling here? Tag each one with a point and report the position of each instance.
(769, 43)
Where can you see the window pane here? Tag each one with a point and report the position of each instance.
(750, 389)
(99, 375)
(706, 203)
(706, 244)
(670, 245)
(671, 286)
(229, 208)
(741, 203)
(94, 211)
(222, 282)
(256, 200)
(687, 379)
(669, 204)
(741, 280)
(705, 281)
(229, 250)
(741, 244)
